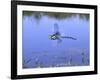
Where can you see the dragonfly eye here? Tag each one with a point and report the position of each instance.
(50, 36)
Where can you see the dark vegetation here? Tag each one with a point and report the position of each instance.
(55, 15)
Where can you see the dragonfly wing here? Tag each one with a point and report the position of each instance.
(56, 28)
(59, 41)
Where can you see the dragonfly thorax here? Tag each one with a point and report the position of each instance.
(55, 36)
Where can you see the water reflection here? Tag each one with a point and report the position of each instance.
(56, 15)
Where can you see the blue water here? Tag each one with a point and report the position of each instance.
(40, 51)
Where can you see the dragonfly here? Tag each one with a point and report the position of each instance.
(58, 36)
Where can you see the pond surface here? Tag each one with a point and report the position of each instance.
(39, 51)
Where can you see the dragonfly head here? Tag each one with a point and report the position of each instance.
(52, 37)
